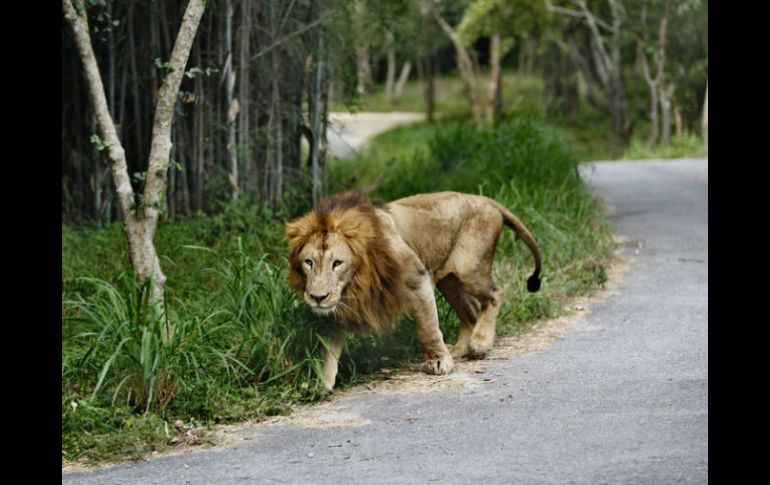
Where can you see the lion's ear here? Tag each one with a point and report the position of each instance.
(298, 230)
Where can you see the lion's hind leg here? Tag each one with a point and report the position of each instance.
(473, 268)
(483, 335)
(466, 310)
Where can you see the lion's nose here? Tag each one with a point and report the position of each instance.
(319, 298)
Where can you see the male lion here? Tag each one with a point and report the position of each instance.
(363, 264)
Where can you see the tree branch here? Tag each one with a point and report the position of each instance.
(577, 14)
(116, 154)
(282, 40)
(164, 110)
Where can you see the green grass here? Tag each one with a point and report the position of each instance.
(686, 146)
(243, 346)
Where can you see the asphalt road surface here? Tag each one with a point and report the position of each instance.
(349, 132)
(621, 398)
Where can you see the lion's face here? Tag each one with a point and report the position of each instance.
(328, 265)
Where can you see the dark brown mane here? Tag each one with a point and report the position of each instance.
(370, 301)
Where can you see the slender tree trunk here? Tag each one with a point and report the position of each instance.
(363, 69)
(232, 103)
(665, 106)
(654, 118)
(276, 123)
(184, 159)
(494, 78)
(107, 201)
(705, 118)
(425, 68)
(316, 128)
(422, 75)
(652, 84)
(655, 83)
(171, 194)
(402, 78)
(527, 55)
(244, 98)
(677, 118)
(198, 124)
(390, 76)
(96, 178)
(465, 66)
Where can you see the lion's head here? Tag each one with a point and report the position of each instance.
(342, 265)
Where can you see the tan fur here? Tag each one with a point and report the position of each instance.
(364, 265)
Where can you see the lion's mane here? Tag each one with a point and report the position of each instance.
(370, 301)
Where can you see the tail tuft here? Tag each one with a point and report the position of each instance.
(533, 283)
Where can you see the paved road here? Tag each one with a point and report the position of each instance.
(349, 132)
(622, 398)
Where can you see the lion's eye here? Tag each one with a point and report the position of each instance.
(309, 263)
(336, 263)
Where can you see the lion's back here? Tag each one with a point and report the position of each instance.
(430, 223)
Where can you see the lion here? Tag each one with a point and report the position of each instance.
(363, 264)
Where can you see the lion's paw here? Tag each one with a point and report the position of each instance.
(440, 365)
(479, 347)
(459, 351)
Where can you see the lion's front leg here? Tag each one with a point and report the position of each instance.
(331, 357)
(438, 359)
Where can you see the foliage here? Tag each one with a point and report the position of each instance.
(510, 18)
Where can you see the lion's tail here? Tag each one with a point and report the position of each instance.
(533, 283)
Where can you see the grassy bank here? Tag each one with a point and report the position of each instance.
(243, 346)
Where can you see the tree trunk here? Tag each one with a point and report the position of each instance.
(705, 118)
(107, 198)
(139, 222)
(653, 84)
(665, 106)
(96, 177)
(230, 102)
(531, 47)
(198, 125)
(465, 66)
(316, 108)
(654, 119)
(494, 78)
(276, 123)
(363, 70)
(425, 68)
(184, 160)
(390, 76)
(677, 119)
(429, 89)
(402, 78)
(244, 98)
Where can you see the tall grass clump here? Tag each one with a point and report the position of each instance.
(246, 349)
